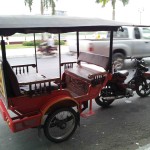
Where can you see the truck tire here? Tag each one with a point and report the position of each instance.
(118, 61)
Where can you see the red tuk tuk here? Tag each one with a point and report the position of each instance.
(54, 104)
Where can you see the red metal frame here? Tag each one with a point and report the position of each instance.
(17, 124)
(30, 110)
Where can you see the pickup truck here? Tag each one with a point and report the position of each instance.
(131, 42)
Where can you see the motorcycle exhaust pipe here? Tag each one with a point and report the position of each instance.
(113, 97)
(109, 98)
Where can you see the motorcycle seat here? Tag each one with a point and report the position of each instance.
(122, 73)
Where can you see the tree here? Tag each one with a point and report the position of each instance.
(44, 4)
(113, 2)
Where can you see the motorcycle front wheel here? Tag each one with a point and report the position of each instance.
(102, 102)
(143, 88)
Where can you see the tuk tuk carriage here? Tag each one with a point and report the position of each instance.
(54, 104)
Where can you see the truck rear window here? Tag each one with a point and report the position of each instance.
(120, 34)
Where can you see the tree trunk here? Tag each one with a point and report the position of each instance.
(42, 8)
(42, 13)
(113, 11)
(53, 8)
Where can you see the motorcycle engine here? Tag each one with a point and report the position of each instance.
(115, 91)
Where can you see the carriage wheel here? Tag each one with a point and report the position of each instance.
(60, 125)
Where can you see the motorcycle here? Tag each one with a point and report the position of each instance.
(116, 87)
(43, 49)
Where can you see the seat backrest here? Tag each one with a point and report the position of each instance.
(12, 85)
(95, 59)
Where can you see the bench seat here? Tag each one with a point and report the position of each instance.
(85, 72)
(26, 78)
(20, 81)
(89, 71)
(35, 82)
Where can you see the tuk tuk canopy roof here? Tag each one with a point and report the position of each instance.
(53, 24)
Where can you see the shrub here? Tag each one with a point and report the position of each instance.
(61, 42)
(31, 43)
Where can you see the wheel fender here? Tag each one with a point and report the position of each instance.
(147, 74)
(58, 102)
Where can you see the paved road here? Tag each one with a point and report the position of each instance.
(13, 53)
(123, 126)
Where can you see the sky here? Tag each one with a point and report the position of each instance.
(137, 11)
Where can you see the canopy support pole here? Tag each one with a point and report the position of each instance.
(3, 48)
(59, 47)
(77, 34)
(35, 54)
(110, 51)
(4, 59)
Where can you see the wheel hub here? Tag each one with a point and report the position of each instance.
(63, 126)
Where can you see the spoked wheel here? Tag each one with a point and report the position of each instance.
(143, 88)
(60, 125)
(102, 102)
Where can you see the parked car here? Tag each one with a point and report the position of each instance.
(131, 42)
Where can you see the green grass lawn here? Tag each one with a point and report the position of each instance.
(15, 46)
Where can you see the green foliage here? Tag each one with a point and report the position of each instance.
(16, 46)
(125, 2)
(113, 3)
(104, 2)
(29, 3)
(31, 43)
(44, 4)
(61, 42)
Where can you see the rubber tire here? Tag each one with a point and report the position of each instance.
(50, 116)
(117, 56)
(103, 103)
(139, 93)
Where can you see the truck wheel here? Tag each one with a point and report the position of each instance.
(118, 61)
(60, 125)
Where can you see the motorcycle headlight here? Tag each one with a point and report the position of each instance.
(146, 69)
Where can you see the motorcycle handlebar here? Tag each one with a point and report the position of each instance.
(135, 58)
(138, 61)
